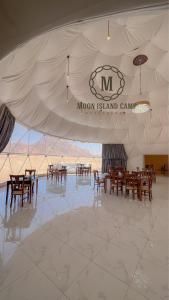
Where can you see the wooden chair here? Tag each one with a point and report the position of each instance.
(87, 170)
(153, 176)
(32, 173)
(61, 174)
(79, 169)
(50, 171)
(64, 171)
(90, 169)
(116, 184)
(135, 173)
(18, 188)
(132, 185)
(55, 173)
(146, 188)
(126, 173)
(151, 173)
(99, 182)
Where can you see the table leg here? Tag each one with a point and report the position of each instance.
(30, 192)
(139, 193)
(7, 192)
(36, 186)
(105, 185)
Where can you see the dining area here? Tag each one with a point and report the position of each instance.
(21, 187)
(134, 184)
(83, 169)
(84, 156)
(71, 222)
(57, 172)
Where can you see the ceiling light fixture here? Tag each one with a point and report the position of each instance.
(67, 75)
(141, 106)
(108, 31)
(67, 93)
(68, 66)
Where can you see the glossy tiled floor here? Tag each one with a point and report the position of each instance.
(72, 243)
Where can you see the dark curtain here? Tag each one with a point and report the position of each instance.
(113, 155)
(7, 122)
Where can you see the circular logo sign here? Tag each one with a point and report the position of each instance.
(106, 83)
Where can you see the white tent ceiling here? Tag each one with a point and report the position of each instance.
(21, 20)
(33, 79)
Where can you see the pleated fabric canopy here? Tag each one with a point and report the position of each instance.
(44, 81)
(7, 123)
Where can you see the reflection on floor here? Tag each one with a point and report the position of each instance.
(72, 243)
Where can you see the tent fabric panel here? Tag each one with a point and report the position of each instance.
(113, 155)
(7, 122)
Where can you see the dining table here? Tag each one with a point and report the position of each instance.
(28, 181)
(62, 173)
(120, 177)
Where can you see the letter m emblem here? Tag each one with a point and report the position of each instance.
(106, 85)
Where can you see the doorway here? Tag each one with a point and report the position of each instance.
(158, 162)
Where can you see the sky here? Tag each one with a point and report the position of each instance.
(24, 135)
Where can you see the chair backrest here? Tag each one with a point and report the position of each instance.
(135, 173)
(146, 181)
(30, 172)
(17, 182)
(126, 173)
(50, 167)
(131, 176)
(113, 174)
(132, 181)
(96, 174)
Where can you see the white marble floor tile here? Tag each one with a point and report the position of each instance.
(156, 251)
(107, 231)
(32, 285)
(151, 280)
(94, 283)
(7, 246)
(142, 223)
(40, 246)
(128, 237)
(160, 231)
(61, 229)
(63, 266)
(14, 268)
(86, 244)
(133, 295)
(121, 262)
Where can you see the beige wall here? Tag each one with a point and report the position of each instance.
(134, 162)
